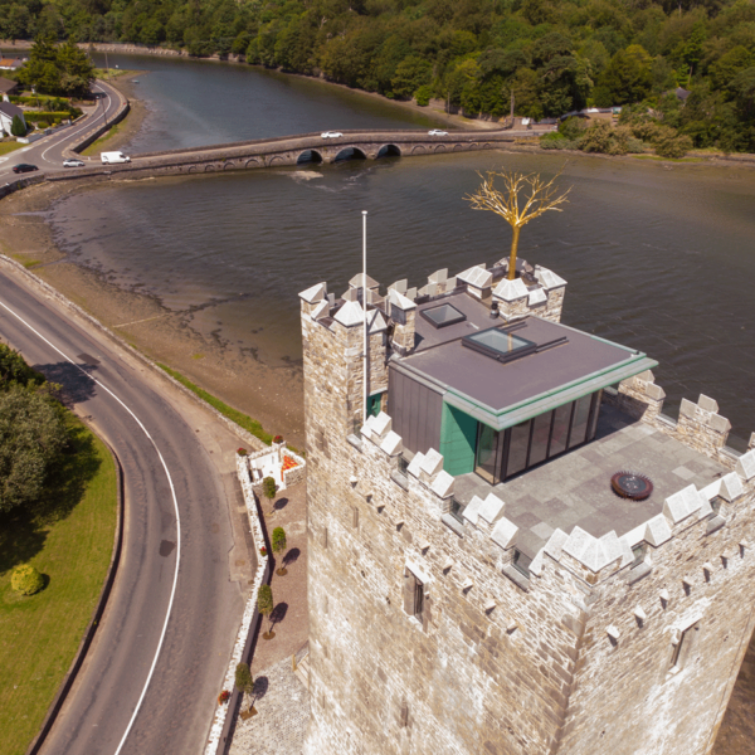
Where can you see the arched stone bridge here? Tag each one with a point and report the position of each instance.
(292, 150)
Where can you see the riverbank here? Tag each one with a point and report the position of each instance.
(434, 110)
(235, 374)
(122, 133)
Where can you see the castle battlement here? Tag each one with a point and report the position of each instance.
(514, 550)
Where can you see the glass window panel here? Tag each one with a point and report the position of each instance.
(443, 315)
(541, 431)
(487, 453)
(562, 415)
(595, 414)
(498, 341)
(579, 423)
(520, 438)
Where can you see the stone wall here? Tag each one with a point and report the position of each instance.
(578, 658)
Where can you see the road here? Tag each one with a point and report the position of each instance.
(153, 672)
(47, 153)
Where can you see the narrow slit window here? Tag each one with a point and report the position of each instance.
(419, 599)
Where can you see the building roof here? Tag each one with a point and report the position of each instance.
(9, 109)
(559, 364)
(6, 85)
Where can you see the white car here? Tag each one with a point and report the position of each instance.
(437, 132)
(71, 163)
(330, 134)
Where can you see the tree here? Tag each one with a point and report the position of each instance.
(279, 545)
(269, 489)
(243, 680)
(265, 607)
(13, 369)
(32, 436)
(540, 197)
(17, 127)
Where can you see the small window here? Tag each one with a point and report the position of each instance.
(355, 518)
(419, 599)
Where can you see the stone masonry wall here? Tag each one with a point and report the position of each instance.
(627, 698)
(579, 659)
(500, 659)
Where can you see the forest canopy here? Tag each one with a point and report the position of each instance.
(553, 56)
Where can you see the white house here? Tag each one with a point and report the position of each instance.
(7, 111)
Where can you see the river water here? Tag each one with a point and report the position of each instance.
(659, 257)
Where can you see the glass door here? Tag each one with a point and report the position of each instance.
(487, 463)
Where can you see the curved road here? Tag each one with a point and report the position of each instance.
(195, 605)
(48, 152)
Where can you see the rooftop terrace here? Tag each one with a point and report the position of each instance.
(574, 489)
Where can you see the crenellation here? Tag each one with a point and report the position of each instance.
(428, 619)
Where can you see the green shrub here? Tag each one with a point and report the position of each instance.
(244, 681)
(17, 127)
(279, 540)
(423, 95)
(555, 140)
(572, 128)
(673, 146)
(26, 580)
(268, 487)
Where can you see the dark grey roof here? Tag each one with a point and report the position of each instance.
(6, 85)
(10, 109)
(502, 394)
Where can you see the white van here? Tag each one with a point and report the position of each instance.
(109, 158)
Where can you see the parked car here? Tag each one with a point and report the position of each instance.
(330, 134)
(437, 132)
(24, 168)
(72, 163)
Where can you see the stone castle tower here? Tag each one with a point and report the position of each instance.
(476, 585)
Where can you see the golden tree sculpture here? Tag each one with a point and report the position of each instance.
(539, 196)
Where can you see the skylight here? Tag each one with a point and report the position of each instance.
(443, 315)
(499, 343)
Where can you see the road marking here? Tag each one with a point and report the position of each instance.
(86, 126)
(175, 506)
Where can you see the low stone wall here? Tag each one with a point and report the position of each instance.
(224, 714)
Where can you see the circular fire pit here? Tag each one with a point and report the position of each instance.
(631, 485)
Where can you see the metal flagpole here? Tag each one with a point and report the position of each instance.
(364, 307)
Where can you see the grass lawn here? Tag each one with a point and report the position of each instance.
(96, 147)
(69, 538)
(6, 147)
(241, 419)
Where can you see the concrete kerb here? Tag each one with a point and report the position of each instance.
(243, 435)
(225, 715)
(86, 641)
(98, 131)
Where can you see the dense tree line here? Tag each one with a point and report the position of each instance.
(552, 56)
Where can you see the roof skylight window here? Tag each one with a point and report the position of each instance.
(500, 344)
(443, 315)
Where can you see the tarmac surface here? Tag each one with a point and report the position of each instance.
(150, 679)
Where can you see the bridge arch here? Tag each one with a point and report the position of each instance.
(388, 150)
(309, 156)
(350, 153)
(440, 148)
(418, 150)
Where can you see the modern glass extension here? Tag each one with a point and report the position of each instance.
(505, 453)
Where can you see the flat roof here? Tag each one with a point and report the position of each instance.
(502, 394)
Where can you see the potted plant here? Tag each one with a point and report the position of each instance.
(224, 697)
